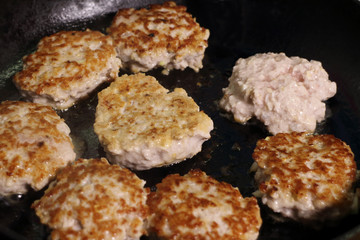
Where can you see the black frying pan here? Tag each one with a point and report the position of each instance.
(328, 31)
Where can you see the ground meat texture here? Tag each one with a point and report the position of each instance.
(196, 206)
(142, 125)
(159, 36)
(92, 199)
(34, 144)
(66, 67)
(305, 177)
(286, 94)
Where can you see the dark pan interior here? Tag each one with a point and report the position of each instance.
(327, 31)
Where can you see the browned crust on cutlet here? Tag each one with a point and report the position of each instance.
(176, 199)
(29, 141)
(71, 186)
(286, 157)
(155, 15)
(181, 34)
(54, 68)
(136, 110)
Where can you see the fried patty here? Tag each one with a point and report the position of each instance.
(305, 177)
(34, 144)
(92, 199)
(142, 125)
(161, 36)
(196, 206)
(66, 67)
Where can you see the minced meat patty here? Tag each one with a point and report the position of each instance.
(196, 206)
(142, 125)
(34, 145)
(305, 177)
(66, 67)
(163, 35)
(286, 94)
(91, 199)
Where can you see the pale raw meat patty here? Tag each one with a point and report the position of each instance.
(34, 144)
(66, 67)
(305, 177)
(196, 206)
(161, 36)
(141, 125)
(284, 93)
(92, 199)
